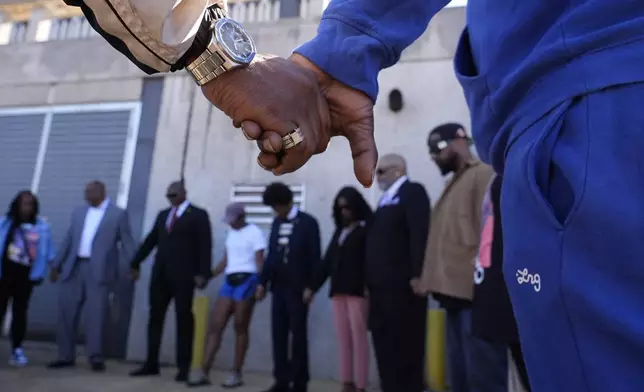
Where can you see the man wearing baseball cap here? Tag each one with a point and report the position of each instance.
(452, 248)
(440, 139)
(241, 263)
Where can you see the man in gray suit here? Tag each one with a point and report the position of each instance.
(87, 264)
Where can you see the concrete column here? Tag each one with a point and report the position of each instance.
(35, 28)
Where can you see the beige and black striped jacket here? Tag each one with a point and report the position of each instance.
(156, 35)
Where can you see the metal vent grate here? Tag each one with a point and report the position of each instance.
(256, 212)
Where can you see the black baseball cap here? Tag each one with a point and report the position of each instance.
(440, 136)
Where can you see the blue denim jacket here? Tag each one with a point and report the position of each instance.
(46, 250)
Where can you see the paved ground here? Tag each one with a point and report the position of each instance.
(36, 378)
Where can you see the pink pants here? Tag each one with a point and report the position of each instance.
(350, 314)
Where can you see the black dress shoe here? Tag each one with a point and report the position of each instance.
(277, 388)
(98, 366)
(61, 364)
(182, 376)
(145, 371)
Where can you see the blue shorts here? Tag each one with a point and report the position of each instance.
(573, 222)
(242, 291)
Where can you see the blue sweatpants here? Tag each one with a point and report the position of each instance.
(573, 221)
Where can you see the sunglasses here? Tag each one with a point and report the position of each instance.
(171, 195)
(382, 170)
(437, 147)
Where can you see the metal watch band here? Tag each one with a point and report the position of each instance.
(206, 67)
(215, 12)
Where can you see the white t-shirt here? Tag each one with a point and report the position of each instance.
(241, 246)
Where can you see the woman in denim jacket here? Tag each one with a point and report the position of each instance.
(27, 249)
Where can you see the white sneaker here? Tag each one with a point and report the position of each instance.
(234, 380)
(18, 358)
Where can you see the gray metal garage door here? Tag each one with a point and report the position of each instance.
(19, 141)
(77, 144)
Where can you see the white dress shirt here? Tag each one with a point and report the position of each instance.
(286, 228)
(292, 213)
(181, 208)
(392, 191)
(93, 220)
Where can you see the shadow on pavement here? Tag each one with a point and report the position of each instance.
(37, 378)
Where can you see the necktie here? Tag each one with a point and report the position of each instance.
(173, 219)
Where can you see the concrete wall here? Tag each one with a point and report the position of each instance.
(90, 70)
(219, 157)
(66, 72)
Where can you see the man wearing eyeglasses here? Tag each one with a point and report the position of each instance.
(183, 238)
(394, 259)
(454, 234)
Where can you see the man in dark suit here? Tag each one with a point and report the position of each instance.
(291, 264)
(183, 238)
(395, 251)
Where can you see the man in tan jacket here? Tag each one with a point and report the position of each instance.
(448, 272)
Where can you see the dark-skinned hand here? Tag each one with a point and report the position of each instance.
(278, 95)
(351, 116)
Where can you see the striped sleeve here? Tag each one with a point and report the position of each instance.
(156, 35)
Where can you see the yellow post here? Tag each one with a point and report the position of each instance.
(200, 307)
(436, 349)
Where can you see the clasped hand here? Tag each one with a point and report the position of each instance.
(273, 96)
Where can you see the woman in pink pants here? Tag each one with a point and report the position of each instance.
(344, 263)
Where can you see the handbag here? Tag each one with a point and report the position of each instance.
(237, 278)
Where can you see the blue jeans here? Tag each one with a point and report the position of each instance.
(573, 226)
(475, 365)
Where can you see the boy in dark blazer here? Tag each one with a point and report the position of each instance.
(290, 267)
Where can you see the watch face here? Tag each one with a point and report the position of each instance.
(235, 40)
